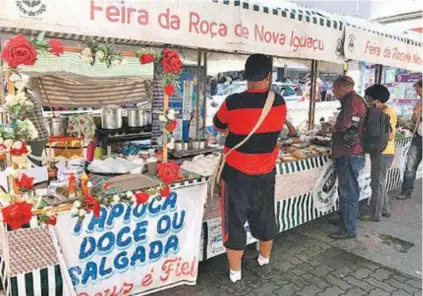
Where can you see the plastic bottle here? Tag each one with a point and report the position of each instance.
(72, 186)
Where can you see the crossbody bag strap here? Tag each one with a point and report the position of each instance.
(417, 124)
(266, 109)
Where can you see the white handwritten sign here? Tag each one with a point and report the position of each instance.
(135, 250)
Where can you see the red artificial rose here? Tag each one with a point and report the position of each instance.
(56, 47)
(51, 220)
(19, 152)
(107, 185)
(17, 214)
(141, 197)
(165, 191)
(19, 51)
(146, 58)
(168, 172)
(169, 89)
(3, 149)
(171, 62)
(25, 182)
(92, 204)
(172, 125)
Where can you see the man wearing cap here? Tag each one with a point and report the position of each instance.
(248, 178)
(348, 154)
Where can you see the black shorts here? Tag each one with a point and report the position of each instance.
(247, 198)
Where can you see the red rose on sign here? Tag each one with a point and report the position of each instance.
(17, 214)
(172, 126)
(51, 220)
(146, 58)
(25, 182)
(169, 89)
(56, 47)
(171, 62)
(168, 172)
(141, 197)
(92, 204)
(165, 191)
(19, 51)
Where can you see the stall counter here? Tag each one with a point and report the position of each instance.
(25, 265)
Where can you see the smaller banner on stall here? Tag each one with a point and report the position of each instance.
(325, 192)
(378, 49)
(135, 250)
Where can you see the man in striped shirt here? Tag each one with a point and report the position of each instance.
(248, 185)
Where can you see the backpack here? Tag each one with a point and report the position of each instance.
(377, 129)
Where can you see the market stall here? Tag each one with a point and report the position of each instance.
(160, 228)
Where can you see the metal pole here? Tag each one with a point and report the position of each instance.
(197, 107)
(378, 74)
(271, 75)
(205, 87)
(312, 105)
(2, 83)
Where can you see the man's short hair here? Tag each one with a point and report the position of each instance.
(344, 81)
(257, 67)
(418, 83)
(378, 92)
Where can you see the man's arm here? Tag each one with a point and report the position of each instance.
(349, 112)
(220, 119)
(393, 122)
(417, 111)
(292, 131)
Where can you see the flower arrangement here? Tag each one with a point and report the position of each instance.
(169, 124)
(167, 173)
(170, 64)
(14, 135)
(97, 52)
(18, 51)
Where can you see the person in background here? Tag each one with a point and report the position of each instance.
(36, 116)
(348, 154)
(377, 96)
(221, 86)
(248, 178)
(213, 86)
(324, 90)
(414, 156)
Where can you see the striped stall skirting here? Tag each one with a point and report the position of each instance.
(42, 282)
(292, 212)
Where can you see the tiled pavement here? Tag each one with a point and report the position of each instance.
(307, 263)
(306, 267)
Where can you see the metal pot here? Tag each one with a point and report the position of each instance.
(203, 144)
(136, 117)
(186, 146)
(195, 144)
(147, 117)
(56, 126)
(179, 146)
(111, 117)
